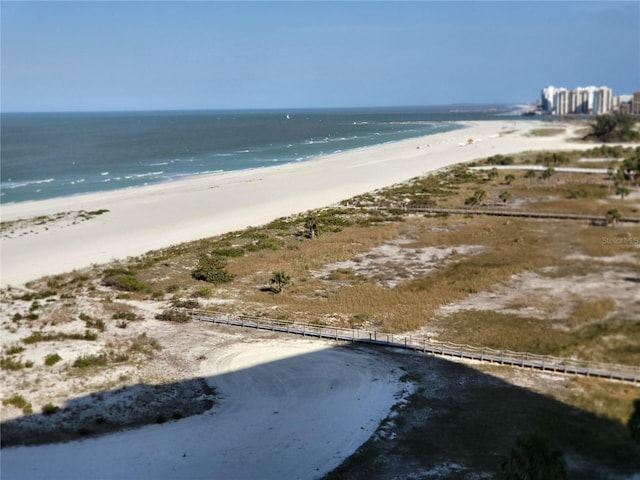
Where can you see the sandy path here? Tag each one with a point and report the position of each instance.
(157, 216)
(295, 411)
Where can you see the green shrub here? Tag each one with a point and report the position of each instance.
(50, 409)
(171, 315)
(211, 269)
(613, 127)
(144, 344)
(551, 159)
(52, 359)
(119, 358)
(98, 323)
(27, 297)
(13, 349)
(122, 315)
(88, 335)
(86, 361)
(203, 292)
(500, 160)
(19, 401)
(35, 337)
(265, 244)
(123, 279)
(10, 363)
(178, 303)
(228, 252)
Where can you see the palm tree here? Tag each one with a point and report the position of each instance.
(530, 175)
(505, 196)
(622, 191)
(509, 178)
(547, 173)
(279, 280)
(478, 197)
(311, 225)
(613, 216)
(480, 194)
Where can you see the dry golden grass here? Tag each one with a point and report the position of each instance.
(613, 400)
(546, 132)
(587, 310)
(502, 331)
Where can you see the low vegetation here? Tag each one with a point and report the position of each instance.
(20, 402)
(614, 127)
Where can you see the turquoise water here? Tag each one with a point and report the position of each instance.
(50, 155)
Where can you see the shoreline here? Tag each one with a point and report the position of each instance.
(460, 126)
(155, 216)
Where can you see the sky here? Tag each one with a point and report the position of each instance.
(121, 55)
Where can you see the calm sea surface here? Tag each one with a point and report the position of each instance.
(49, 155)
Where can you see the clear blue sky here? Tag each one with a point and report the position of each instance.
(62, 56)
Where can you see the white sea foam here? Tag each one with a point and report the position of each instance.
(11, 185)
(142, 175)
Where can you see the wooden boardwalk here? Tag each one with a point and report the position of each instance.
(507, 213)
(568, 366)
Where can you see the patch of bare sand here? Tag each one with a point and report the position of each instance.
(394, 262)
(542, 295)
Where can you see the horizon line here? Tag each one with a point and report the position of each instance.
(274, 109)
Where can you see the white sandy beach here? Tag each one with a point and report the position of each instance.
(151, 217)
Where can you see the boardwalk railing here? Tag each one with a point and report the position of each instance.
(505, 213)
(547, 363)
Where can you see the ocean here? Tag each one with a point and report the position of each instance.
(48, 155)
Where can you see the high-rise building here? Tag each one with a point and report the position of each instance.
(602, 100)
(580, 100)
(635, 103)
(561, 101)
(546, 98)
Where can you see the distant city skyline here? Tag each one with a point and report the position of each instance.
(103, 56)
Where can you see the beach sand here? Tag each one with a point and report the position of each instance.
(151, 217)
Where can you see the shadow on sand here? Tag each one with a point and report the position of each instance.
(456, 416)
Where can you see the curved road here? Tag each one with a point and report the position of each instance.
(293, 409)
